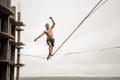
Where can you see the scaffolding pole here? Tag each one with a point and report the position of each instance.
(18, 50)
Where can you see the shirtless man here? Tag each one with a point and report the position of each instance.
(50, 38)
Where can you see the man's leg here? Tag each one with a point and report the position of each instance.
(50, 50)
(52, 45)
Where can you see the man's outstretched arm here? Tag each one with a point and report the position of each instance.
(52, 22)
(39, 36)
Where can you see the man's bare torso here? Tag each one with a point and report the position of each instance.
(49, 33)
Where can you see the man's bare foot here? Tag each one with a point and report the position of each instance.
(48, 57)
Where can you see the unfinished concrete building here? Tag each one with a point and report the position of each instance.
(8, 28)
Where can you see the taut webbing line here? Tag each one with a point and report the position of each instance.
(99, 6)
(79, 52)
(90, 13)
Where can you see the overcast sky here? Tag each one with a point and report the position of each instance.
(99, 31)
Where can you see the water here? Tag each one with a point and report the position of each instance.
(70, 78)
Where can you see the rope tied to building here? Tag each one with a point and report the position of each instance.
(79, 52)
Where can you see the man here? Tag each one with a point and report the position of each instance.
(50, 37)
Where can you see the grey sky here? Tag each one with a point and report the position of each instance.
(101, 30)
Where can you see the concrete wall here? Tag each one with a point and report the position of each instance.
(5, 3)
(7, 48)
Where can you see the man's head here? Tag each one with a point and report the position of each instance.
(47, 26)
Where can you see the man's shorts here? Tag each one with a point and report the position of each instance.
(52, 41)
